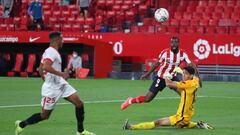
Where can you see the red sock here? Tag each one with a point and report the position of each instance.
(138, 99)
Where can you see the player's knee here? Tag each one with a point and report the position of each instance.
(45, 116)
(79, 104)
(147, 99)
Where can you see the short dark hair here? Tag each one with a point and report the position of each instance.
(54, 34)
(190, 70)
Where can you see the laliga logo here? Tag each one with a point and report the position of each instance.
(201, 49)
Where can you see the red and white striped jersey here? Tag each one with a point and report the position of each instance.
(168, 61)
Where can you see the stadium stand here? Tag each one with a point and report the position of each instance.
(125, 14)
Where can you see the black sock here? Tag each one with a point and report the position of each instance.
(80, 118)
(35, 118)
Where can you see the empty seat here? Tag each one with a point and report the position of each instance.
(221, 30)
(67, 27)
(210, 30)
(18, 64)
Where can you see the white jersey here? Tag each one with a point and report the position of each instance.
(169, 61)
(54, 86)
(53, 55)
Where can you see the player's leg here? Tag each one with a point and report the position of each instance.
(157, 85)
(71, 95)
(148, 125)
(35, 118)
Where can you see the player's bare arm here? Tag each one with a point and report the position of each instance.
(171, 84)
(47, 66)
(41, 72)
(150, 70)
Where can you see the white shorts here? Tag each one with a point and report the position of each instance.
(52, 93)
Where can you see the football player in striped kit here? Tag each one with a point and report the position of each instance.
(169, 60)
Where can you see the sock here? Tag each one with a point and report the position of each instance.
(192, 125)
(138, 99)
(145, 125)
(35, 118)
(80, 119)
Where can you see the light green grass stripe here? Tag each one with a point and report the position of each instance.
(112, 101)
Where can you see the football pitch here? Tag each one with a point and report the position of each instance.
(217, 103)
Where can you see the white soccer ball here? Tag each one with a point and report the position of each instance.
(161, 15)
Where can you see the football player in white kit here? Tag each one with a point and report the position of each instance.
(54, 87)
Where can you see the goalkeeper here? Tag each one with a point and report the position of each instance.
(188, 88)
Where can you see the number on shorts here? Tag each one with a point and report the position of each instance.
(50, 100)
(157, 84)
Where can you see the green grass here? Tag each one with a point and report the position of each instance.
(218, 103)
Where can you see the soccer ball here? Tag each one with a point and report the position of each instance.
(161, 15)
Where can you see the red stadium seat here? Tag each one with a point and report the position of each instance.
(109, 4)
(238, 30)
(207, 16)
(172, 30)
(202, 2)
(194, 23)
(178, 15)
(62, 20)
(187, 15)
(148, 21)
(128, 2)
(3, 27)
(203, 22)
(118, 2)
(221, 30)
(67, 27)
(174, 22)
(232, 30)
(71, 20)
(18, 64)
(116, 8)
(11, 27)
(53, 20)
(219, 9)
(66, 13)
(30, 65)
(184, 22)
(200, 30)
(231, 2)
(56, 27)
(89, 21)
(134, 29)
(213, 22)
(17, 20)
(191, 30)
(80, 20)
(212, 2)
(74, 13)
(76, 28)
(142, 10)
(161, 29)
(101, 4)
(200, 9)
(129, 16)
(183, 30)
(210, 30)
(82, 73)
(56, 14)
(216, 16)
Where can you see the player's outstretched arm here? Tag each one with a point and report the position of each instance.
(47, 66)
(172, 84)
(150, 70)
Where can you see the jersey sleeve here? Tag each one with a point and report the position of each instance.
(186, 58)
(49, 55)
(183, 85)
(162, 56)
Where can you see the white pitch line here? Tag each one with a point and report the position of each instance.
(111, 101)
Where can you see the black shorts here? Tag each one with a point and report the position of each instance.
(82, 9)
(159, 84)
